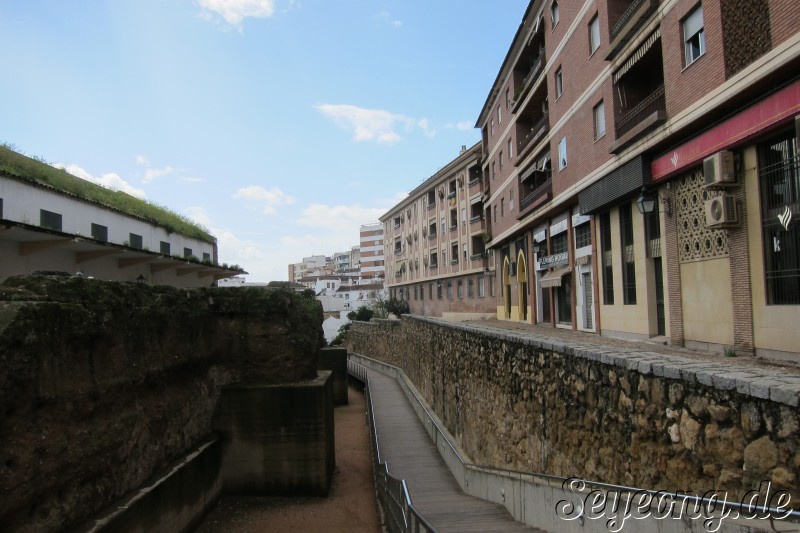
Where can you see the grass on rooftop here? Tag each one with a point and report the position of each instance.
(38, 171)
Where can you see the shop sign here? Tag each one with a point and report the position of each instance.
(555, 259)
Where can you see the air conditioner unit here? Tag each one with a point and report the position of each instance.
(719, 169)
(721, 212)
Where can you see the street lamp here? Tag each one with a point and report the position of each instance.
(646, 202)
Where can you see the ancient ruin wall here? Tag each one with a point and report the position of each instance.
(103, 383)
(636, 419)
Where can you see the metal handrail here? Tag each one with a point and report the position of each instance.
(393, 494)
(714, 502)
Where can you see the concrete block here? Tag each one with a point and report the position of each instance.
(335, 360)
(278, 439)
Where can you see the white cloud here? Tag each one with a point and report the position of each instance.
(109, 180)
(142, 160)
(153, 173)
(387, 17)
(233, 12)
(265, 200)
(339, 218)
(198, 215)
(372, 124)
(464, 125)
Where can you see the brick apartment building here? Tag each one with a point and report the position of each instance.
(435, 244)
(371, 257)
(640, 171)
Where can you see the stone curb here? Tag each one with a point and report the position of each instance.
(759, 383)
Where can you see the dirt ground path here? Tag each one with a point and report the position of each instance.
(350, 506)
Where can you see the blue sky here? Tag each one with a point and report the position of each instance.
(280, 125)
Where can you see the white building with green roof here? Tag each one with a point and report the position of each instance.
(53, 221)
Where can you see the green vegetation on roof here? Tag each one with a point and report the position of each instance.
(38, 171)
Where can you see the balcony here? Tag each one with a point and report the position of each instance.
(645, 115)
(536, 188)
(537, 68)
(634, 17)
(533, 135)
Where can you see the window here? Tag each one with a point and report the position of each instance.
(206, 257)
(454, 253)
(481, 287)
(694, 37)
(494, 170)
(187, 252)
(502, 207)
(463, 215)
(398, 245)
(562, 153)
(779, 181)
(495, 213)
(491, 127)
(510, 152)
(558, 243)
(470, 288)
(416, 292)
(135, 241)
(444, 228)
(431, 199)
(99, 232)
(422, 292)
(559, 82)
(452, 189)
(499, 115)
(583, 235)
(594, 34)
(444, 256)
(460, 289)
(453, 219)
(439, 289)
(554, 13)
(434, 260)
(464, 248)
(449, 290)
(508, 100)
(49, 220)
(511, 200)
(605, 257)
(430, 291)
(396, 222)
(599, 113)
(628, 265)
(501, 160)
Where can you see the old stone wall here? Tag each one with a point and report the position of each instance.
(624, 417)
(104, 383)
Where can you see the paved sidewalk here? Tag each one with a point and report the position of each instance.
(778, 381)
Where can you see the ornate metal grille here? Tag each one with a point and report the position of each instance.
(696, 241)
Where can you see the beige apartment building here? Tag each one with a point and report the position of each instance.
(641, 171)
(435, 241)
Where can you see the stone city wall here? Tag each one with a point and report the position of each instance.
(103, 383)
(624, 417)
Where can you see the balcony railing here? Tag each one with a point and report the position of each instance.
(542, 190)
(626, 17)
(634, 18)
(532, 74)
(536, 132)
(654, 102)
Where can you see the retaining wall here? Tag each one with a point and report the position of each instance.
(624, 417)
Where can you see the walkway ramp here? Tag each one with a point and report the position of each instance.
(411, 455)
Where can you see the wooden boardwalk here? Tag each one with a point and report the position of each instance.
(410, 454)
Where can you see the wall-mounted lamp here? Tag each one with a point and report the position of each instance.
(646, 203)
(537, 247)
(140, 279)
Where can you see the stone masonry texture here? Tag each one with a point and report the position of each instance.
(619, 416)
(103, 383)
